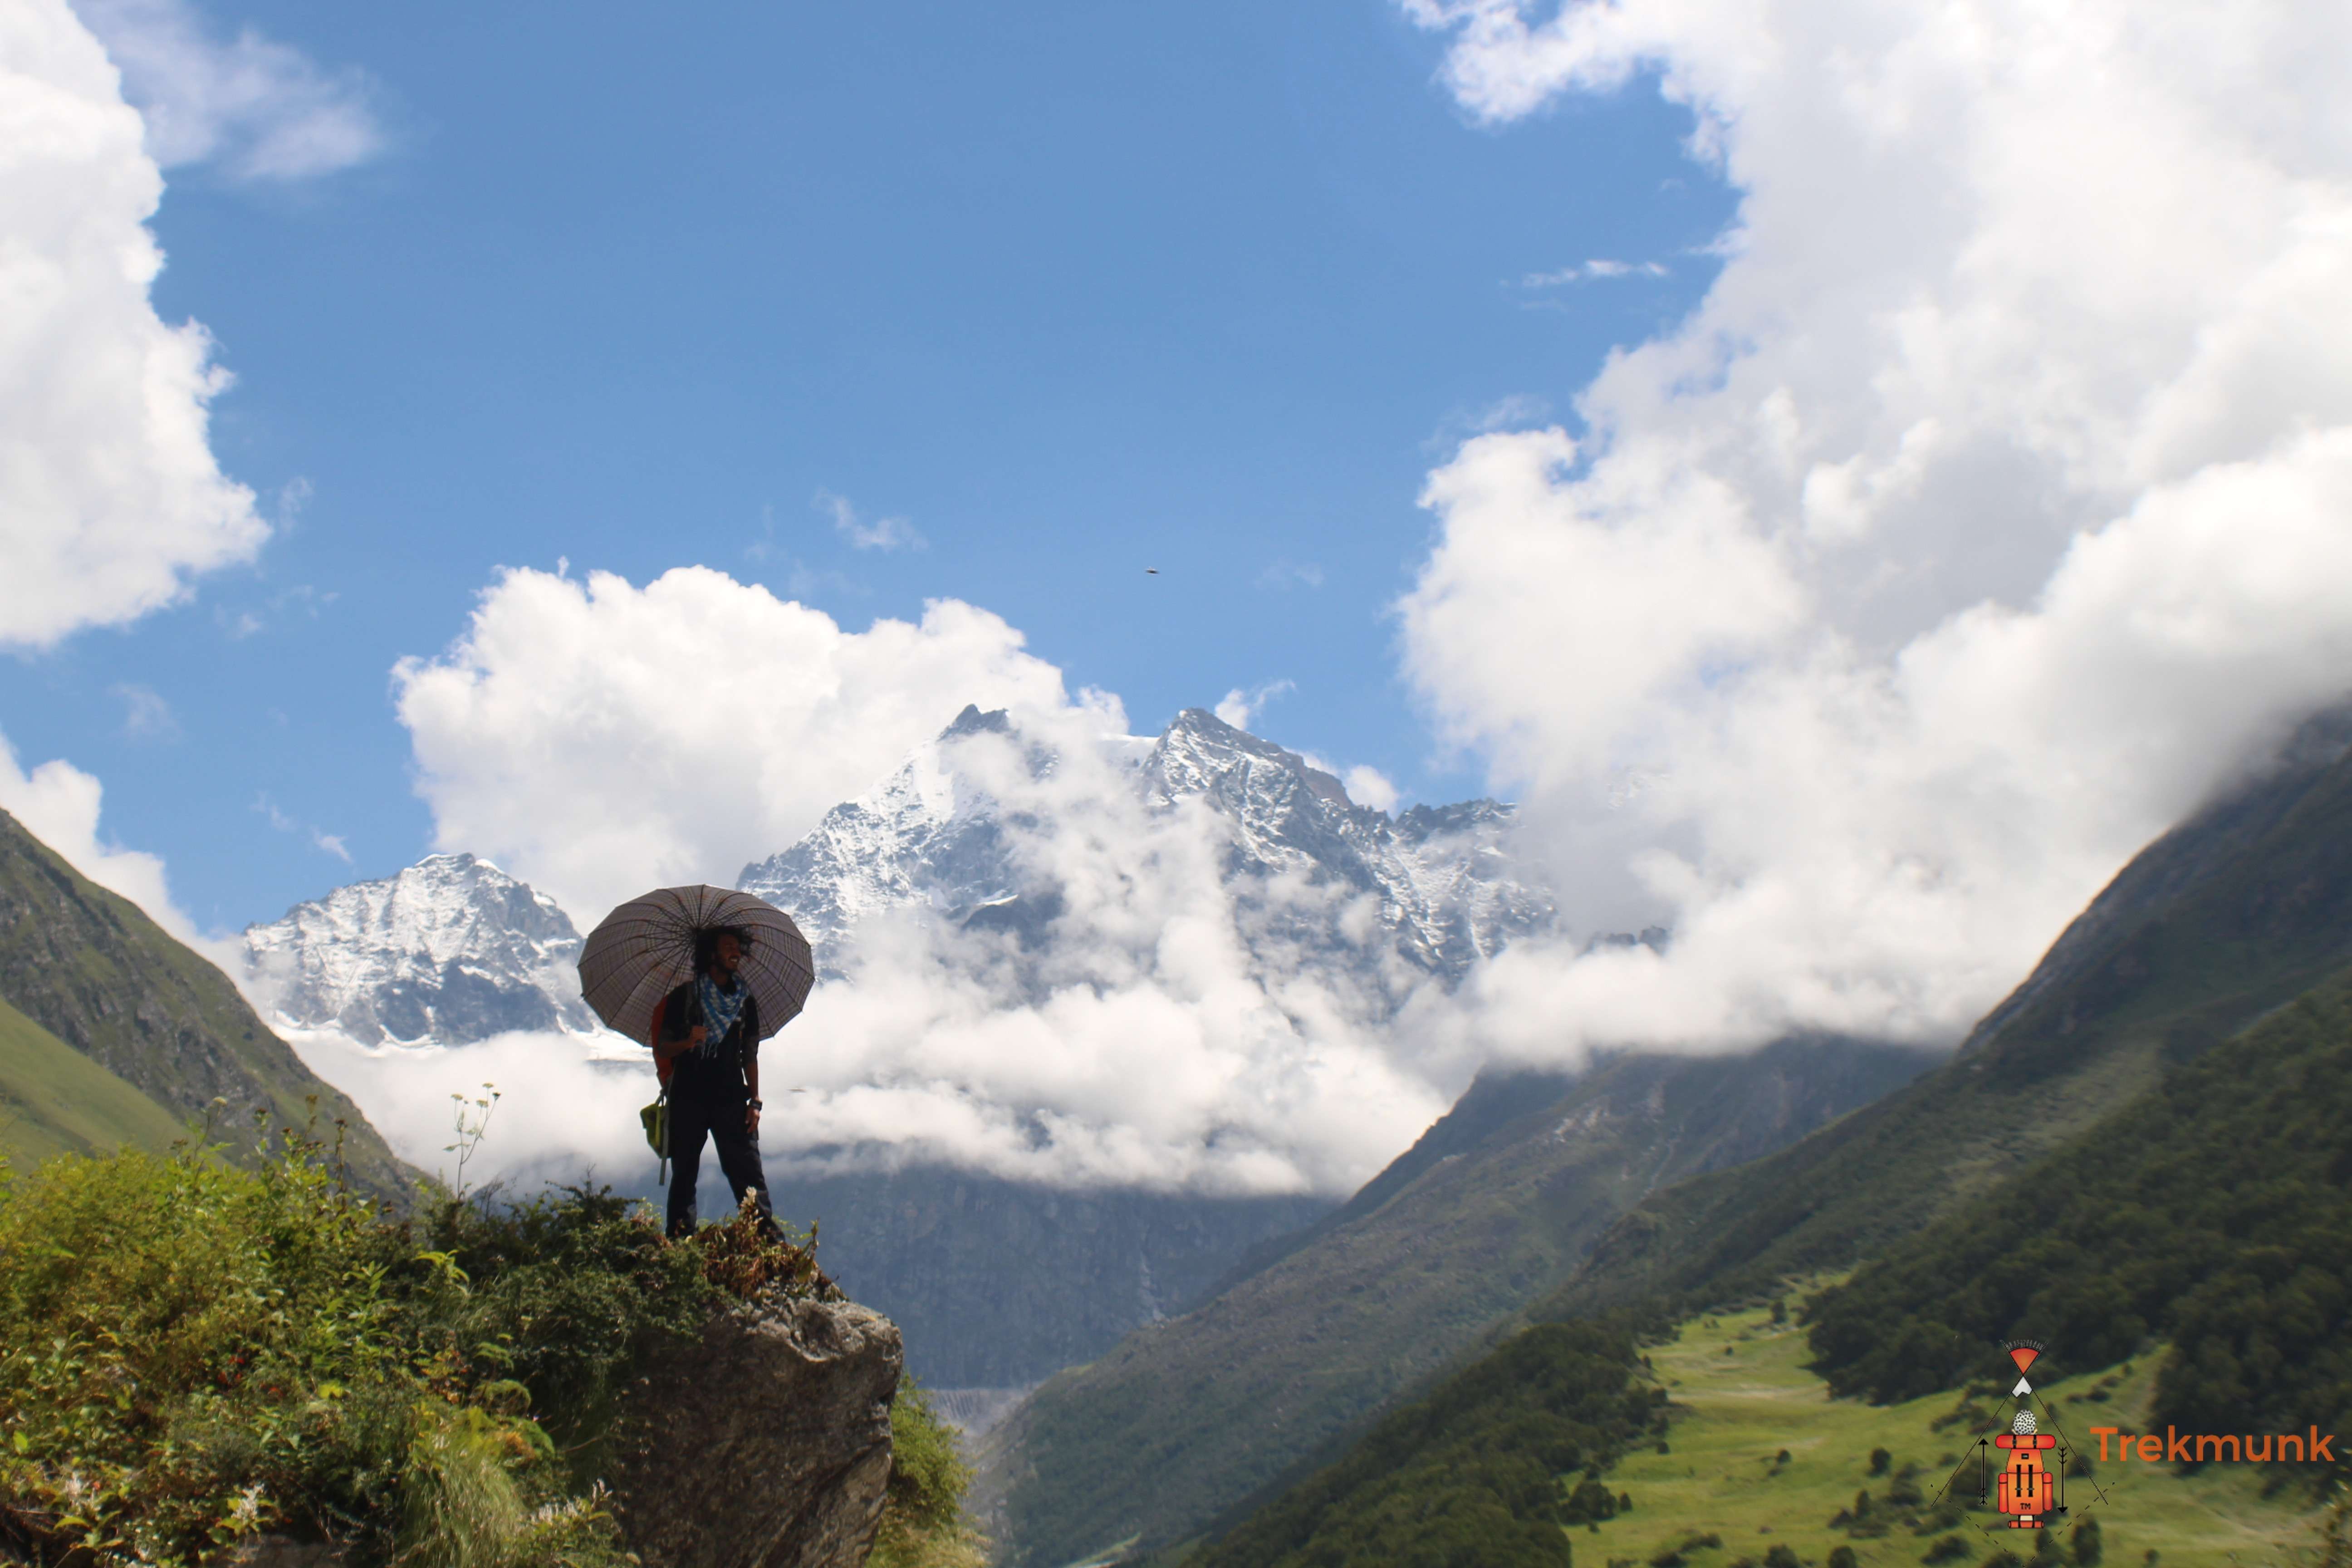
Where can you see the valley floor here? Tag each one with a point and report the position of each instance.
(1741, 1396)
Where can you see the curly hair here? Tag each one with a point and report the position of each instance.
(706, 945)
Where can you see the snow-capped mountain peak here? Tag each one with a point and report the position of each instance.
(929, 836)
(450, 950)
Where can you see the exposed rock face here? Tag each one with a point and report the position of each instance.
(1443, 883)
(450, 950)
(764, 1443)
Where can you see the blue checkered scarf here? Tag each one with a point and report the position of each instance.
(719, 1011)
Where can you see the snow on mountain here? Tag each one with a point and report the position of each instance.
(1439, 879)
(454, 951)
(921, 836)
(449, 952)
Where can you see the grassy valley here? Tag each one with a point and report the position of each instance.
(1758, 1455)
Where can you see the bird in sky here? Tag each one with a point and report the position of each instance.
(1151, 571)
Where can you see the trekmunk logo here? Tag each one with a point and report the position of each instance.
(2021, 1472)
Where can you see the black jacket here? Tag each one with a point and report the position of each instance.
(723, 1068)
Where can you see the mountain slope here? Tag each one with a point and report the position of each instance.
(2234, 912)
(55, 1101)
(2214, 1210)
(2211, 1211)
(1183, 1421)
(87, 966)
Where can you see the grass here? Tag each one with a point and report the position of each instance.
(55, 1101)
(1735, 1413)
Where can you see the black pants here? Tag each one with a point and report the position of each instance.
(699, 1110)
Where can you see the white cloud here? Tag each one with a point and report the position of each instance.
(110, 496)
(1368, 786)
(1598, 268)
(560, 1114)
(1993, 507)
(597, 738)
(255, 109)
(883, 533)
(1237, 707)
(59, 804)
(1167, 1034)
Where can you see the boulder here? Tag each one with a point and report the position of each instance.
(763, 1444)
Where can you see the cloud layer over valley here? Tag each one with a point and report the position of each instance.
(1994, 507)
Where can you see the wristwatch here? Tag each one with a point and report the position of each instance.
(755, 1105)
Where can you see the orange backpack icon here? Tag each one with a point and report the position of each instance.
(2024, 1489)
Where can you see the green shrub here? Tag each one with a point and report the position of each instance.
(923, 1521)
(192, 1352)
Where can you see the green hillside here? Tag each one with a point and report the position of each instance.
(1184, 1420)
(2214, 1212)
(2235, 913)
(2184, 1258)
(90, 968)
(55, 1101)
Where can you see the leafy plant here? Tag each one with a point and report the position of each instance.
(923, 1524)
(194, 1351)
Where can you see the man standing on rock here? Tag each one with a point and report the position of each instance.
(706, 1039)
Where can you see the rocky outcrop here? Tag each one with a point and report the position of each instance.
(763, 1444)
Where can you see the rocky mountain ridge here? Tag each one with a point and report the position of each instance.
(449, 952)
(931, 836)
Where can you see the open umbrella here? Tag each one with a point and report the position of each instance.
(644, 950)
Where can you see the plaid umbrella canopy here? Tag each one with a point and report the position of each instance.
(644, 950)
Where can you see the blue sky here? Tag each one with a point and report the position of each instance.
(1072, 289)
(1973, 499)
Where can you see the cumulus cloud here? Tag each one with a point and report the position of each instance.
(109, 497)
(1991, 510)
(597, 738)
(1144, 1024)
(1163, 1028)
(561, 1114)
(255, 109)
(59, 804)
